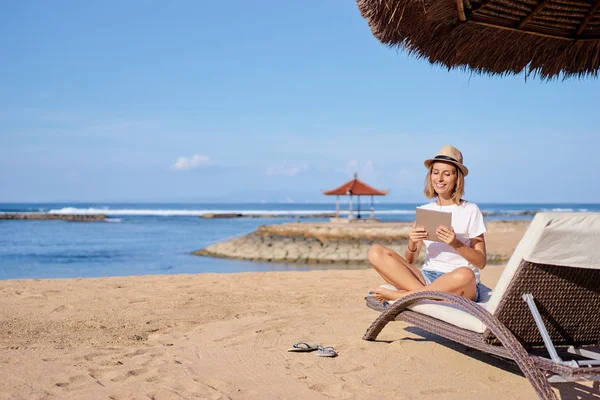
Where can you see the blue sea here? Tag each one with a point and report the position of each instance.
(158, 238)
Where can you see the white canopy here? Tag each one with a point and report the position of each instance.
(567, 239)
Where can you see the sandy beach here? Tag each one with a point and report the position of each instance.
(225, 336)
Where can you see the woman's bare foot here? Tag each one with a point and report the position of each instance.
(387, 294)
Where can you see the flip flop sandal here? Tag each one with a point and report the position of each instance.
(326, 352)
(304, 347)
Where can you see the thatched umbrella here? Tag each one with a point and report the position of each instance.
(543, 37)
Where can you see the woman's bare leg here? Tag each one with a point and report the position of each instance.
(461, 281)
(394, 269)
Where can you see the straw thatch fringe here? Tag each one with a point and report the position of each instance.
(572, 3)
(546, 47)
(516, 5)
(497, 12)
(509, 11)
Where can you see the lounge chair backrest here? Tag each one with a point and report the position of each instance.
(558, 262)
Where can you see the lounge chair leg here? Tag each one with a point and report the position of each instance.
(377, 326)
(538, 380)
(536, 376)
(528, 298)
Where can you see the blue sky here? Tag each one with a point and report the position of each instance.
(265, 101)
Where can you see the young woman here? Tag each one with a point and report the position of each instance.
(451, 265)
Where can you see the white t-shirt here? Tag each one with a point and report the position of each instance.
(467, 222)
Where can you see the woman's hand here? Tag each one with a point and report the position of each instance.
(448, 236)
(417, 235)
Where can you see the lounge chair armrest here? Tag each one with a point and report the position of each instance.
(390, 312)
(467, 305)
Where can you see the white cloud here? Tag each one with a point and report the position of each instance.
(366, 169)
(352, 167)
(193, 162)
(286, 169)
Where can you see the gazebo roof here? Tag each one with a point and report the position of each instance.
(548, 38)
(355, 187)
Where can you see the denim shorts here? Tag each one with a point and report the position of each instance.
(431, 276)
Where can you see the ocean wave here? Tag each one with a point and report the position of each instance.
(508, 212)
(20, 212)
(192, 213)
(283, 213)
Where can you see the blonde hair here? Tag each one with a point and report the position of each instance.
(457, 192)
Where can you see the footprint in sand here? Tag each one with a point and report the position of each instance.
(129, 374)
(91, 356)
(62, 308)
(73, 379)
(494, 378)
(138, 352)
(437, 391)
(318, 387)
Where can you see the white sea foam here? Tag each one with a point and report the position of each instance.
(21, 212)
(174, 212)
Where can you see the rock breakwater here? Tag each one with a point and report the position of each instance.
(45, 216)
(294, 249)
(331, 243)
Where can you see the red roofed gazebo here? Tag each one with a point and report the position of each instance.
(358, 188)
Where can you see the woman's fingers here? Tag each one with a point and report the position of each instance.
(445, 229)
(418, 236)
(447, 235)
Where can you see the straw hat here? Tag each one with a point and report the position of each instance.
(449, 154)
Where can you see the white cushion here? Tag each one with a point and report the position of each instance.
(450, 313)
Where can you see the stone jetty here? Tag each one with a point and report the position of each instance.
(335, 243)
(47, 216)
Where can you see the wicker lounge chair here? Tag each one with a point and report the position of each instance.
(545, 306)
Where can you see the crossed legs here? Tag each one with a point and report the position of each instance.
(395, 270)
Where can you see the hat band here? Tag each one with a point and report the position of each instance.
(446, 158)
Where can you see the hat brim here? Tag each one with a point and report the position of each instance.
(460, 166)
